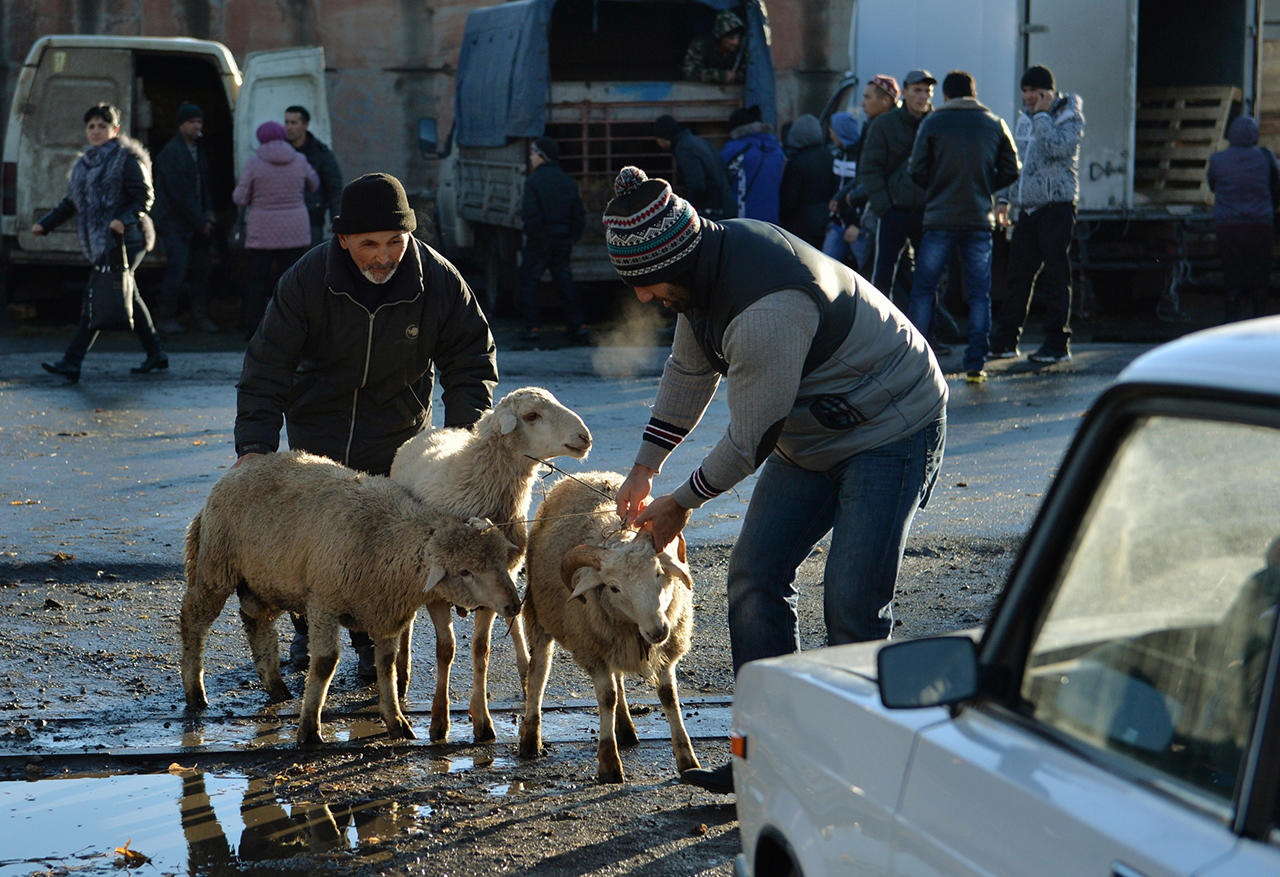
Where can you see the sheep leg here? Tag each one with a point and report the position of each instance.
(260, 631)
(385, 649)
(481, 721)
(608, 764)
(521, 648)
(539, 668)
(200, 606)
(323, 641)
(439, 613)
(625, 728)
(403, 662)
(670, 700)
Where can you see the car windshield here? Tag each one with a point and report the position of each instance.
(1155, 643)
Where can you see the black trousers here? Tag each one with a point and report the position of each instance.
(265, 268)
(554, 255)
(1038, 258)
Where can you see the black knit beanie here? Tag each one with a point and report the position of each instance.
(374, 202)
(666, 127)
(650, 231)
(1038, 77)
(188, 111)
(548, 149)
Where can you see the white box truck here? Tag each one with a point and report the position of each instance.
(147, 78)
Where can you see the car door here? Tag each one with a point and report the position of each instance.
(67, 81)
(1137, 644)
(274, 80)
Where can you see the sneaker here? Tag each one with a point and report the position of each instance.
(204, 324)
(530, 339)
(1005, 353)
(1048, 357)
(975, 376)
(64, 368)
(580, 337)
(154, 362)
(171, 326)
(298, 655)
(713, 779)
(367, 669)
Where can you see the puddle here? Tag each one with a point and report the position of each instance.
(197, 824)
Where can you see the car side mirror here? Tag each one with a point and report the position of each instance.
(428, 138)
(936, 671)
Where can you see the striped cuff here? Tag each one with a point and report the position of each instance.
(664, 435)
(701, 487)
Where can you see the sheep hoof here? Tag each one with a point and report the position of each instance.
(610, 775)
(401, 730)
(197, 703)
(309, 736)
(278, 693)
(529, 748)
(484, 735)
(626, 737)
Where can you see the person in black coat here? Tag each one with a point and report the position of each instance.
(321, 157)
(700, 170)
(344, 354)
(553, 221)
(184, 217)
(807, 181)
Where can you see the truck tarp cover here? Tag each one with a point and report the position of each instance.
(504, 70)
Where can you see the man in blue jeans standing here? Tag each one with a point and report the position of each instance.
(833, 396)
(963, 153)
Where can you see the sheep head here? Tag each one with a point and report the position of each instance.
(636, 581)
(469, 567)
(533, 422)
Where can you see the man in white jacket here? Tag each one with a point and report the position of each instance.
(1048, 133)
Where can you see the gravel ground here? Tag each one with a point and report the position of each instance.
(91, 654)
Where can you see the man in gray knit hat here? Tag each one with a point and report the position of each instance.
(833, 395)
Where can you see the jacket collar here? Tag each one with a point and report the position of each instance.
(340, 273)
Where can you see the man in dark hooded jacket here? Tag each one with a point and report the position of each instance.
(344, 354)
(720, 56)
(1245, 181)
(553, 221)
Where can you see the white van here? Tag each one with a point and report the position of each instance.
(147, 78)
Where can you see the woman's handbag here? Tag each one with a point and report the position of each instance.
(109, 296)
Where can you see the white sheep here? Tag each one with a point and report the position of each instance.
(487, 471)
(619, 606)
(300, 533)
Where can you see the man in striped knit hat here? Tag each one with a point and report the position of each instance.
(833, 395)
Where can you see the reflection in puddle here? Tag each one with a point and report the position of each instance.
(219, 820)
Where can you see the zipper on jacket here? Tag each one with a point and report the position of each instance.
(364, 377)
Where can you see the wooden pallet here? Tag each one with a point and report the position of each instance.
(1177, 130)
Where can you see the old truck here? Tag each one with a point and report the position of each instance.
(147, 78)
(594, 75)
(1160, 82)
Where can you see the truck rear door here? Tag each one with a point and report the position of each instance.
(68, 80)
(1091, 47)
(273, 81)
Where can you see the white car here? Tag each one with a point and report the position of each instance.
(1118, 716)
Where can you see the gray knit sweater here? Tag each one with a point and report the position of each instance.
(765, 347)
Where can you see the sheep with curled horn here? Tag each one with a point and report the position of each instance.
(487, 470)
(300, 533)
(615, 603)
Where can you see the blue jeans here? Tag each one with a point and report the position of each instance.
(537, 260)
(867, 502)
(833, 244)
(931, 261)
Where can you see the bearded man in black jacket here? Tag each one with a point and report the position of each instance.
(344, 354)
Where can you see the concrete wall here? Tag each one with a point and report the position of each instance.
(389, 62)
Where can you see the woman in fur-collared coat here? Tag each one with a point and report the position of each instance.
(110, 195)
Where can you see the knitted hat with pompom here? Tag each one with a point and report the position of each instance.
(651, 232)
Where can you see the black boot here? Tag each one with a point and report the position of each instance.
(64, 368)
(299, 657)
(713, 779)
(157, 361)
(368, 667)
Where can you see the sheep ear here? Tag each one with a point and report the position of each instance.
(480, 524)
(507, 423)
(585, 580)
(434, 576)
(676, 568)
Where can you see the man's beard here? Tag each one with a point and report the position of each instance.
(372, 278)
